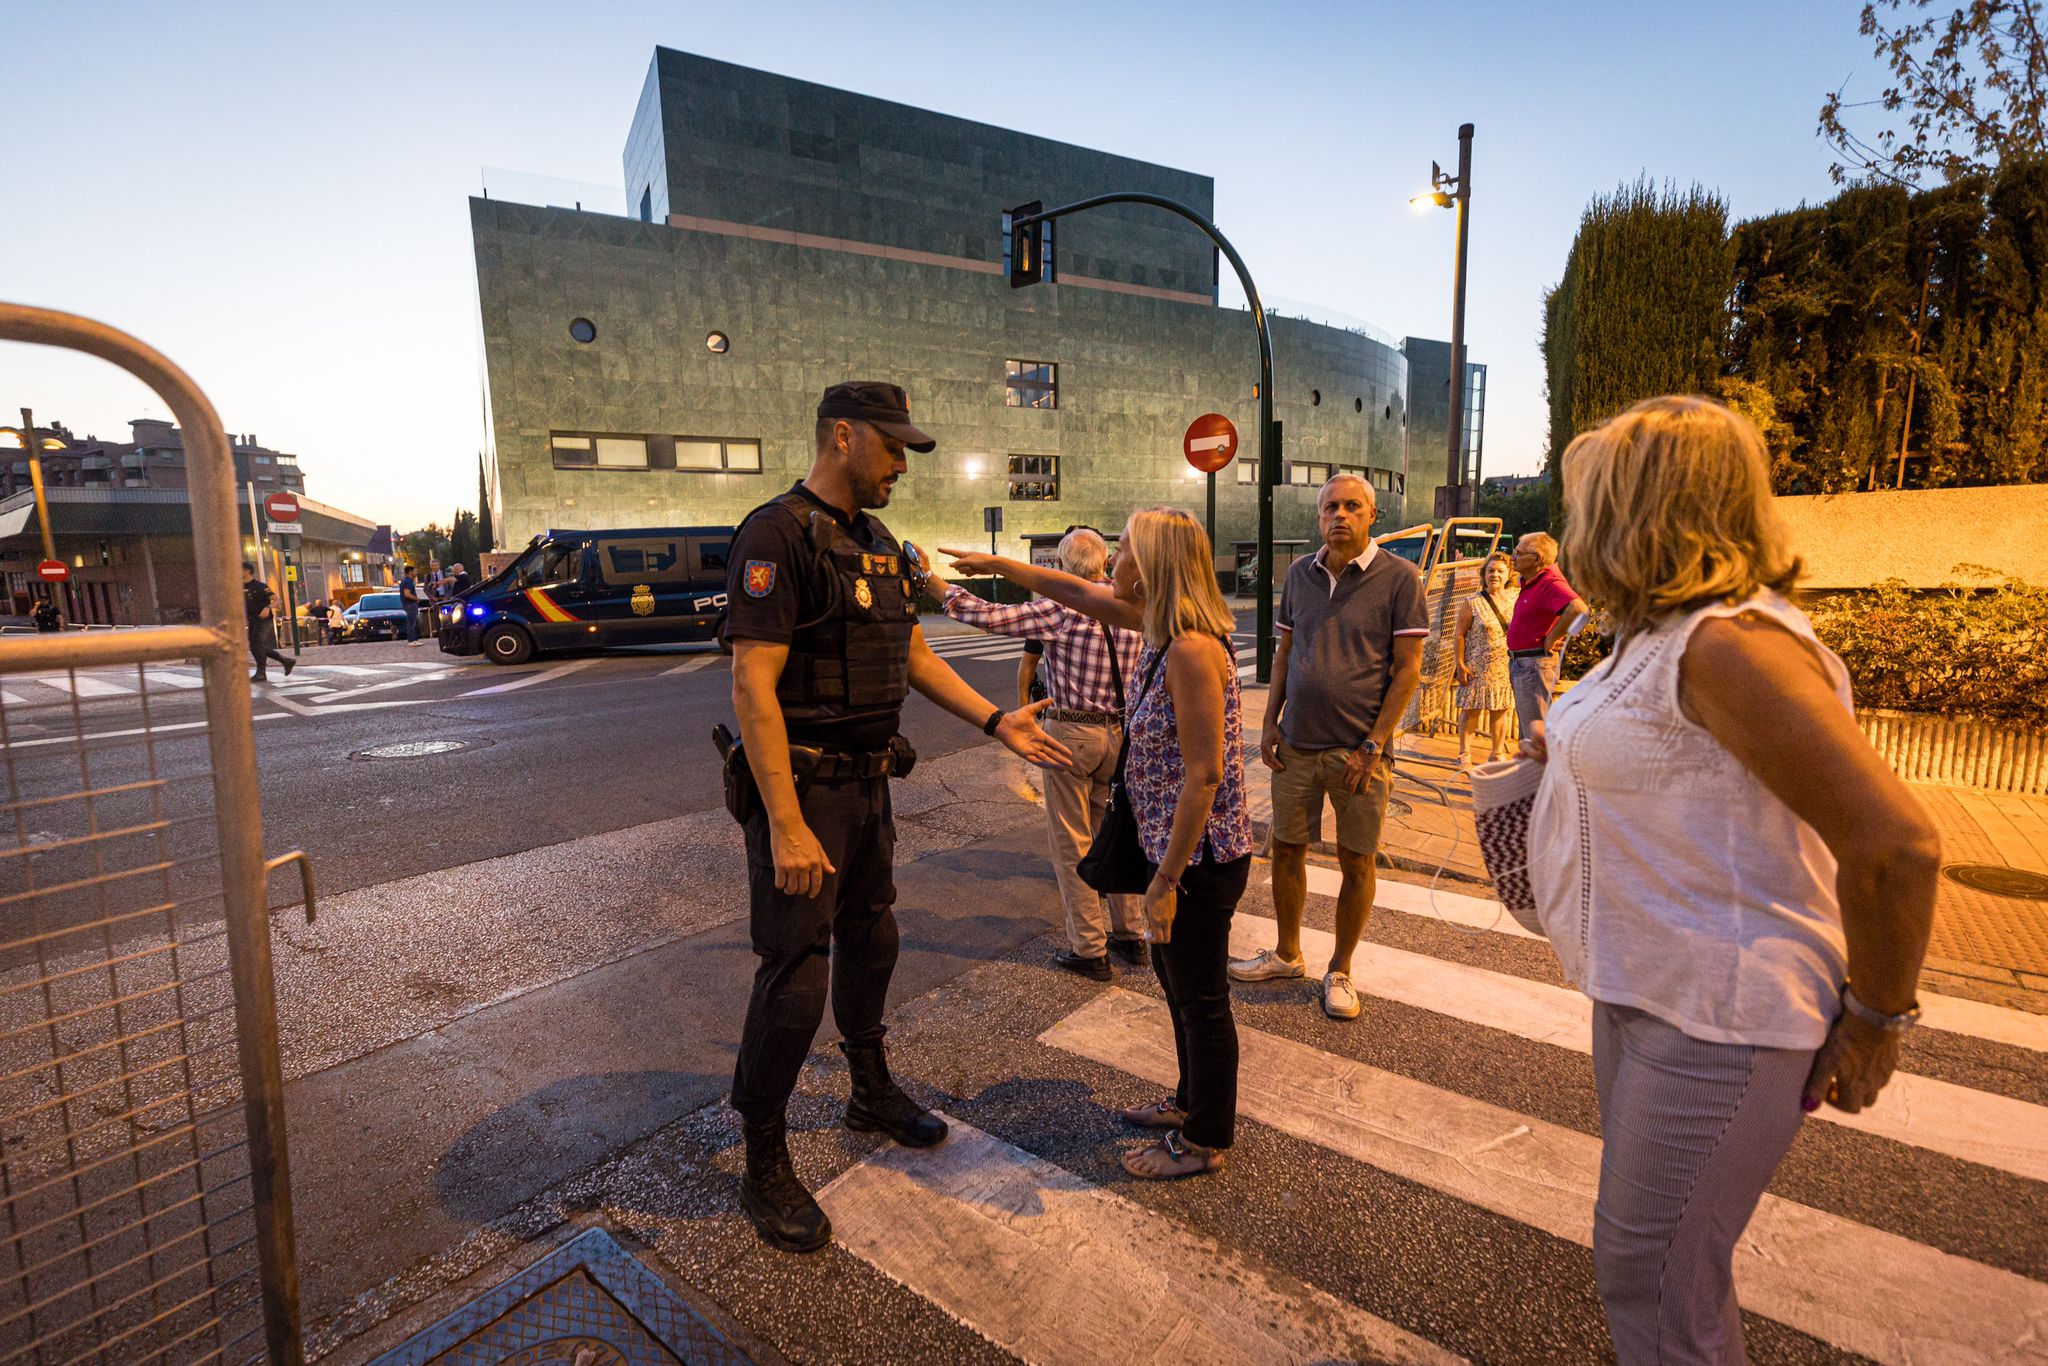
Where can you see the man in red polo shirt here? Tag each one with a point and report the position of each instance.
(1544, 612)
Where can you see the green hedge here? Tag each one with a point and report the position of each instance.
(1956, 651)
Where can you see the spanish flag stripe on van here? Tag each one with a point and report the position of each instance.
(546, 606)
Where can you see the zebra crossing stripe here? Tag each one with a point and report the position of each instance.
(84, 685)
(1975, 1126)
(166, 678)
(1950, 1014)
(1864, 1290)
(988, 1232)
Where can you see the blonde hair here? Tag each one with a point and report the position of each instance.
(1668, 505)
(1172, 555)
(1506, 560)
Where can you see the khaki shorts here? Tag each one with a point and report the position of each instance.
(1310, 774)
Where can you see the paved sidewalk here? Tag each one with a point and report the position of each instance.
(1985, 946)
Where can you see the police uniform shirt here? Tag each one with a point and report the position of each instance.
(775, 582)
(256, 596)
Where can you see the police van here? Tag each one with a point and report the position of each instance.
(581, 590)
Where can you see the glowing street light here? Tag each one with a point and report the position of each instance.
(1444, 192)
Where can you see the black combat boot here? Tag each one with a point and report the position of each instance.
(772, 1196)
(879, 1104)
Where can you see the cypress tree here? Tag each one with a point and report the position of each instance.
(487, 536)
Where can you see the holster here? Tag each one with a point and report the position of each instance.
(742, 797)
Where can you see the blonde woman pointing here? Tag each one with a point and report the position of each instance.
(1185, 776)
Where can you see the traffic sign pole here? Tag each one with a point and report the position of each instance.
(1269, 438)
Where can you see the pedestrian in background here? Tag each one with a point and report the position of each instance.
(1721, 861)
(1185, 776)
(1351, 626)
(337, 623)
(409, 600)
(1482, 655)
(46, 616)
(259, 606)
(1087, 663)
(458, 581)
(1544, 611)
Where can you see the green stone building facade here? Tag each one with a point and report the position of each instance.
(662, 367)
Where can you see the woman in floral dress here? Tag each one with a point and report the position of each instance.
(1482, 655)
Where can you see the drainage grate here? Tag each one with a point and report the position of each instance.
(1999, 880)
(411, 749)
(588, 1302)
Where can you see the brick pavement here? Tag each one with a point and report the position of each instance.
(1984, 947)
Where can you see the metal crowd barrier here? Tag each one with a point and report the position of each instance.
(1451, 561)
(145, 1201)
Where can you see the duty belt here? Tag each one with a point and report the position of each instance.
(831, 765)
(1085, 718)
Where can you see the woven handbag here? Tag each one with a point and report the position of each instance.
(1503, 794)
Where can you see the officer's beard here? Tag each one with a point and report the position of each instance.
(871, 493)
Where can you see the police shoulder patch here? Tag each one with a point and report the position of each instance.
(760, 580)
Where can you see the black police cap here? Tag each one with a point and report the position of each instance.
(881, 405)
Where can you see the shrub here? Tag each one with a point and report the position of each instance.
(1956, 651)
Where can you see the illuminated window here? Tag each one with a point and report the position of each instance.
(1031, 383)
(1034, 478)
(716, 454)
(587, 451)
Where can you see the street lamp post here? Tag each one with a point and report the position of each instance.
(1444, 192)
(1020, 223)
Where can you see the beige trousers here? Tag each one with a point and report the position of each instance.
(1074, 802)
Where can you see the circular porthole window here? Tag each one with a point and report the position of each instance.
(1390, 412)
(583, 330)
(1357, 405)
(717, 343)
(1315, 398)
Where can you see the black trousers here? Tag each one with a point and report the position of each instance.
(846, 933)
(1194, 971)
(263, 644)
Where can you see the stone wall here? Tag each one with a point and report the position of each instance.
(1854, 540)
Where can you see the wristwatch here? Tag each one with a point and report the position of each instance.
(1877, 1019)
(1368, 746)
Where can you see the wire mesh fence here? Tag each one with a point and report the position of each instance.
(127, 1229)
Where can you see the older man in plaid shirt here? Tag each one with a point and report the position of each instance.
(1087, 666)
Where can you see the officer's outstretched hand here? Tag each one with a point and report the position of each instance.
(1020, 733)
(800, 862)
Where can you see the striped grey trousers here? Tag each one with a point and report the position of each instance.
(1690, 1133)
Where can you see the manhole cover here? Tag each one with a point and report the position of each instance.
(589, 1303)
(413, 749)
(1999, 880)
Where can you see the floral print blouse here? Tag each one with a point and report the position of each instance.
(1153, 771)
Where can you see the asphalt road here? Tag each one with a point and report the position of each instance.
(550, 751)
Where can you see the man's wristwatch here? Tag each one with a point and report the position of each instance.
(1877, 1019)
(1368, 746)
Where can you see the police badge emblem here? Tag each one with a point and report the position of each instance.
(760, 579)
(643, 600)
(862, 594)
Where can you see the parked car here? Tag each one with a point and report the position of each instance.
(584, 589)
(374, 616)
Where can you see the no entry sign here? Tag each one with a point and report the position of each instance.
(281, 507)
(1211, 443)
(53, 571)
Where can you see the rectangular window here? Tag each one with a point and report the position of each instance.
(714, 454)
(711, 556)
(1248, 471)
(1031, 383)
(642, 561)
(1304, 474)
(1034, 478)
(588, 451)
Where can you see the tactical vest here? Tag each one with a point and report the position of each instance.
(852, 660)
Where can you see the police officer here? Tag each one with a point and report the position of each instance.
(823, 624)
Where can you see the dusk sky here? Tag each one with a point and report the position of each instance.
(276, 195)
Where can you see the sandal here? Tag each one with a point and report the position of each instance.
(1171, 1158)
(1163, 1114)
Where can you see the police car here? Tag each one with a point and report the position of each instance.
(580, 590)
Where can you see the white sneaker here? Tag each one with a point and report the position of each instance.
(1340, 998)
(1266, 966)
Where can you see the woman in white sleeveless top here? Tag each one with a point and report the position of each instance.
(1721, 862)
